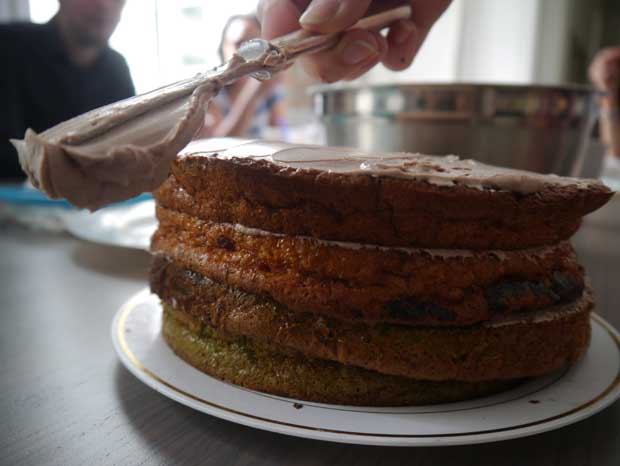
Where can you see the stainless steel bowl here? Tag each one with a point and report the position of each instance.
(539, 128)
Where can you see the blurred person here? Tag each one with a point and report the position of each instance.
(247, 107)
(358, 50)
(605, 75)
(52, 72)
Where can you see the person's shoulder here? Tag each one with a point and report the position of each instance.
(15, 38)
(21, 39)
(116, 69)
(114, 64)
(115, 58)
(21, 30)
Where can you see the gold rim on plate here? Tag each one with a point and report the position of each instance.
(133, 302)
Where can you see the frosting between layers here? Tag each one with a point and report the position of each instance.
(544, 315)
(437, 170)
(443, 253)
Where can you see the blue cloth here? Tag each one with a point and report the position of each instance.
(22, 195)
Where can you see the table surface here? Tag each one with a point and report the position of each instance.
(66, 400)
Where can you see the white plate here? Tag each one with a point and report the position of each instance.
(537, 406)
(129, 225)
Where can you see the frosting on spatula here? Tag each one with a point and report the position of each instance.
(120, 150)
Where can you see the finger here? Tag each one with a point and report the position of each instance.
(279, 17)
(610, 54)
(403, 40)
(605, 81)
(596, 72)
(333, 15)
(406, 36)
(605, 67)
(357, 52)
(602, 83)
(595, 76)
(356, 71)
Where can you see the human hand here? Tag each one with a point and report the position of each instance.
(358, 50)
(605, 69)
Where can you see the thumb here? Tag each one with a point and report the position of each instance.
(327, 16)
(279, 17)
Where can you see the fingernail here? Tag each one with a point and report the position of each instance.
(403, 32)
(319, 11)
(358, 51)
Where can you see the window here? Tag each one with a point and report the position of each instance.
(164, 41)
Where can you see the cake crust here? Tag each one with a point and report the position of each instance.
(340, 276)
(251, 365)
(355, 283)
(381, 210)
(526, 345)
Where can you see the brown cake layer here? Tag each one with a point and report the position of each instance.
(526, 345)
(374, 209)
(252, 365)
(414, 287)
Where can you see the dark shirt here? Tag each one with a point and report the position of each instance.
(40, 87)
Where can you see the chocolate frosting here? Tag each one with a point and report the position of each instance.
(437, 170)
(118, 151)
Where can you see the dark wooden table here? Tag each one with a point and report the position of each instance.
(66, 400)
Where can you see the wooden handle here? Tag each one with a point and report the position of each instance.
(301, 42)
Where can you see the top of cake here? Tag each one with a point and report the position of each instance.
(447, 170)
(399, 199)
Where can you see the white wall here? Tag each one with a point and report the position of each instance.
(553, 39)
(501, 41)
(497, 40)
(437, 60)
(41, 11)
(14, 10)
(137, 39)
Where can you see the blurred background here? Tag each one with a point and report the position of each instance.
(512, 41)
(505, 49)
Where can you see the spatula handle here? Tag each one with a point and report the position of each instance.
(302, 42)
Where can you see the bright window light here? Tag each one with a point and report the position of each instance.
(164, 41)
(41, 11)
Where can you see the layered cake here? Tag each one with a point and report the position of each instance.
(332, 275)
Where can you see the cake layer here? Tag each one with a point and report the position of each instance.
(522, 345)
(372, 284)
(252, 365)
(393, 200)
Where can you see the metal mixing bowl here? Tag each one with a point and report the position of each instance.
(539, 128)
